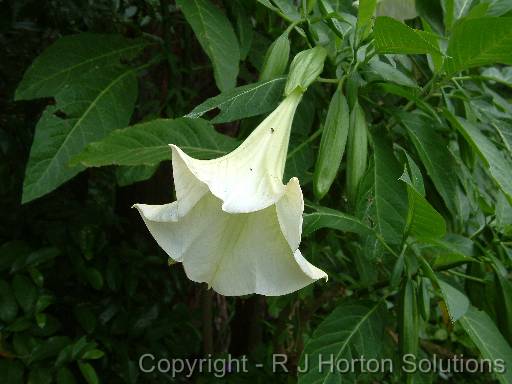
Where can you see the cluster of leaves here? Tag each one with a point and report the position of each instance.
(413, 225)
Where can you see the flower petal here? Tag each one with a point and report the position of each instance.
(289, 213)
(249, 178)
(161, 221)
(236, 254)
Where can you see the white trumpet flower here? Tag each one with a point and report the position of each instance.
(234, 224)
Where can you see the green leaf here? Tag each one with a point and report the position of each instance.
(390, 192)
(499, 166)
(94, 277)
(504, 305)
(456, 302)
(245, 101)
(217, 37)
(93, 354)
(103, 102)
(25, 292)
(411, 94)
(489, 341)
(453, 250)
(423, 221)
(330, 218)
(129, 175)
(454, 10)
(339, 27)
(243, 27)
(432, 150)
(43, 302)
(365, 15)
(89, 373)
(352, 328)
(478, 42)
(389, 73)
(499, 7)
(40, 375)
(392, 36)
(148, 143)
(65, 376)
(69, 58)
(288, 8)
(8, 305)
(49, 348)
(414, 174)
(11, 372)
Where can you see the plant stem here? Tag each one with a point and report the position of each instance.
(468, 277)
(332, 81)
(299, 147)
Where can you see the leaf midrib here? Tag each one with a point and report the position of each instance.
(470, 60)
(353, 332)
(79, 121)
(74, 67)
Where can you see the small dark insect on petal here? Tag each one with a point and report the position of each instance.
(271, 130)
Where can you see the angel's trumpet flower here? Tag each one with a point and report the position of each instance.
(234, 224)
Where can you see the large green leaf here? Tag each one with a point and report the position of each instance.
(432, 150)
(148, 143)
(499, 165)
(477, 42)
(330, 218)
(423, 221)
(352, 328)
(245, 101)
(217, 37)
(456, 302)
(454, 10)
(103, 102)
(390, 192)
(452, 250)
(392, 36)
(65, 62)
(366, 11)
(489, 340)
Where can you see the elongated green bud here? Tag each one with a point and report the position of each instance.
(305, 68)
(332, 144)
(408, 321)
(357, 151)
(424, 298)
(276, 58)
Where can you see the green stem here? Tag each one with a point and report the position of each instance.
(455, 273)
(332, 81)
(299, 147)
